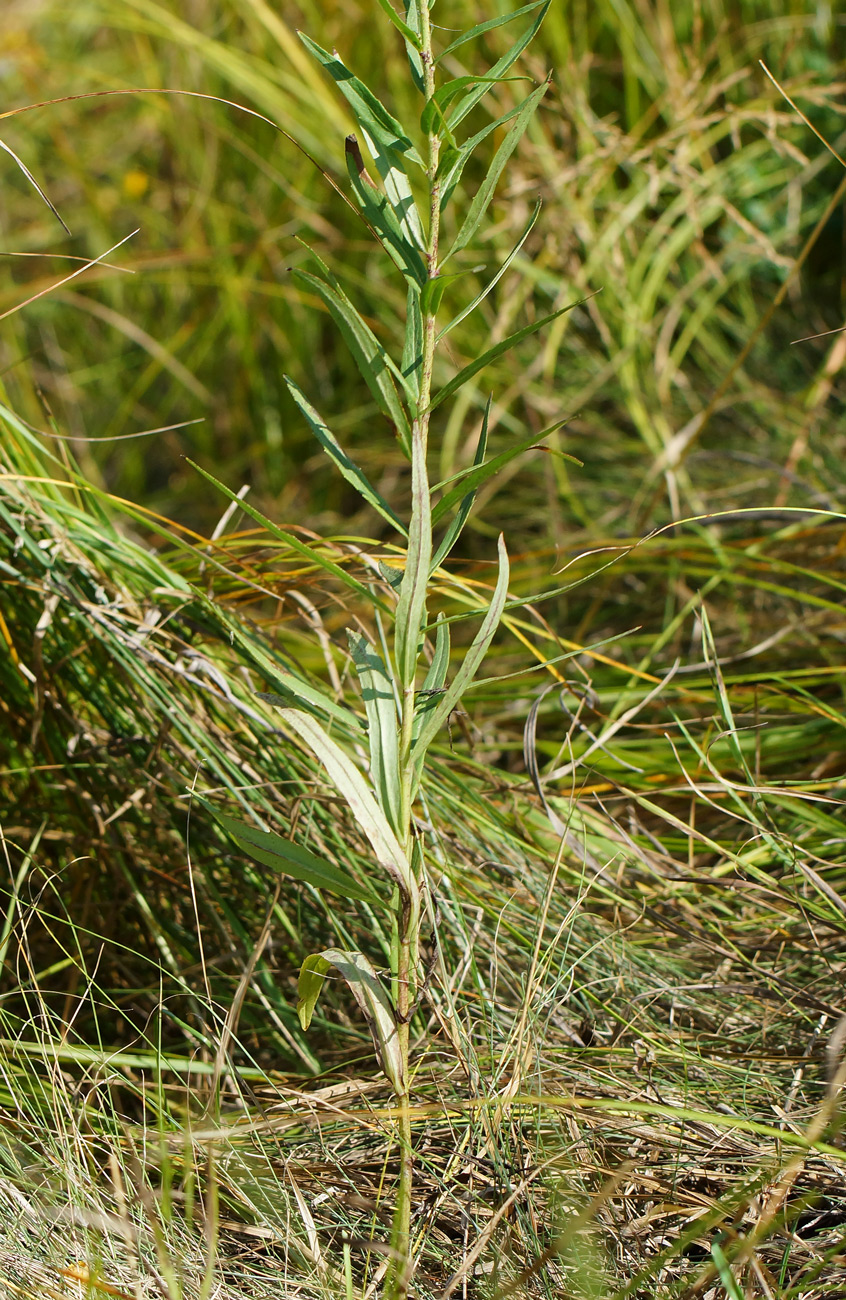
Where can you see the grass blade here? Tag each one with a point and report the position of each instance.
(33, 182)
(295, 687)
(727, 1278)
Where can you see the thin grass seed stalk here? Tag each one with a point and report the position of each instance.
(407, 212)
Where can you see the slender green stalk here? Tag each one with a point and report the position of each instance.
(399, 1274)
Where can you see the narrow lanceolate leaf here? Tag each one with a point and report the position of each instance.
(370, 112)
(369, 993)
(410, 35)
(351, 785)
(483, 293)
(488, 26)
(485, 192)
(433, 683)
(472, 479)
(348, 467)
(433, 119)
(382, 724)
(412, 348)
(289, 858)
(385, 138)
(410, 617)
(370, 356)
(469, 666)
(496, 351)
(382, 219)
(465, 501)
(499, 69)
(454, 160)
(345, 306)
(415, 62)
(307, 552)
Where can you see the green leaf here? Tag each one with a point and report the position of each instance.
(433, 118)
(380, 216)
(410, 35)
(369, 993)
(410, 616)
(485, 192)
(732, 1288)
(465, 504)
(430, 298)
(392, 576)
(351, 785)
(289, 858)
(370, 356)
(310, 985)
(415, 63)
(348, 468)
(385, 138)
(472, 479)
(498, 70)
(412, 350)
(453, 161)
(369, 111)
(307, 552)
(496, 351)
(340, 307)
(488, 26)
(469, 666)
(483, 293)
(382, 724)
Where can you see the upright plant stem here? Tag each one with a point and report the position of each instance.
(399, 1273)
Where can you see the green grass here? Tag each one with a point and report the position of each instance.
(635, 1031)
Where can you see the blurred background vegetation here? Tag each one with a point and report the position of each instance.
(678, 187)
(683, 198)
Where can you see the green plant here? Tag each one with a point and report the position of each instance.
(407, 695)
